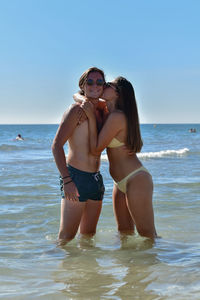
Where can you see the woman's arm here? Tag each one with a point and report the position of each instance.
(101, 106)
(110, 129)
(79, 98)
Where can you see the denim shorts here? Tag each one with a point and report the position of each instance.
(90, 185)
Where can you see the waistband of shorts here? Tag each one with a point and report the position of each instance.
(82, 172)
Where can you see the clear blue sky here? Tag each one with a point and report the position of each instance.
(46, 45)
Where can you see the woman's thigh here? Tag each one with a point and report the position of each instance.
(90, 217)
(139, 200)
(123, 217)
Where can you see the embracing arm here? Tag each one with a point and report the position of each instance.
(79, 98)
(110, 129)
(93, 137)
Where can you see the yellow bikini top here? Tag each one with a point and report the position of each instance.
(115, 143)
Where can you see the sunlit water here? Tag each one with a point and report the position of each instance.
(108, 266)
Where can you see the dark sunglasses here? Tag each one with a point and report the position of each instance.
(114, 87)
(99, 82)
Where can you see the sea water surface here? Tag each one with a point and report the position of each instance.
(106, 267)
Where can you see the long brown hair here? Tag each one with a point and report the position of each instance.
(126, 102)
(84, 77)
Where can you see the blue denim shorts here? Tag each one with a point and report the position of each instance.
(90, 185)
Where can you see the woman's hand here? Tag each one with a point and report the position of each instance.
(70, 191)
(79, 98)
(88, 108)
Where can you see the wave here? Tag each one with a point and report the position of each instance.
(19, 146)
(179, 152)
(162, 153)
(6, 147)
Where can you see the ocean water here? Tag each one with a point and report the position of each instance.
(107, 266)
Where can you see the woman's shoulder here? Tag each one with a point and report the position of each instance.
(116, 119)
(118, 115)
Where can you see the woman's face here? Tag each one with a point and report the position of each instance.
(93, 87)
(110, 95)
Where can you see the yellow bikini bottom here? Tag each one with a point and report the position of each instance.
(121, 185)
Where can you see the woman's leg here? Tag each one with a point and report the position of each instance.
(124, 220)
(71, 213)
(139, 201)
(90, 217)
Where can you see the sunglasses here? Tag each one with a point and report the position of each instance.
(99, 82)
(114, 87)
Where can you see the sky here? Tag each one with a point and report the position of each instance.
(45, 46)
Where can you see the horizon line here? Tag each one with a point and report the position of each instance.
(140, 123)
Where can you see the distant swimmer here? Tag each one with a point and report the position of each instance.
(19, 137)
(192, 130)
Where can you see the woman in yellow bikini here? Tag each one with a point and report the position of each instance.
(133, 186)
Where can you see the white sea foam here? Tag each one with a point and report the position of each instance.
(163, 153)
(157, 154)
